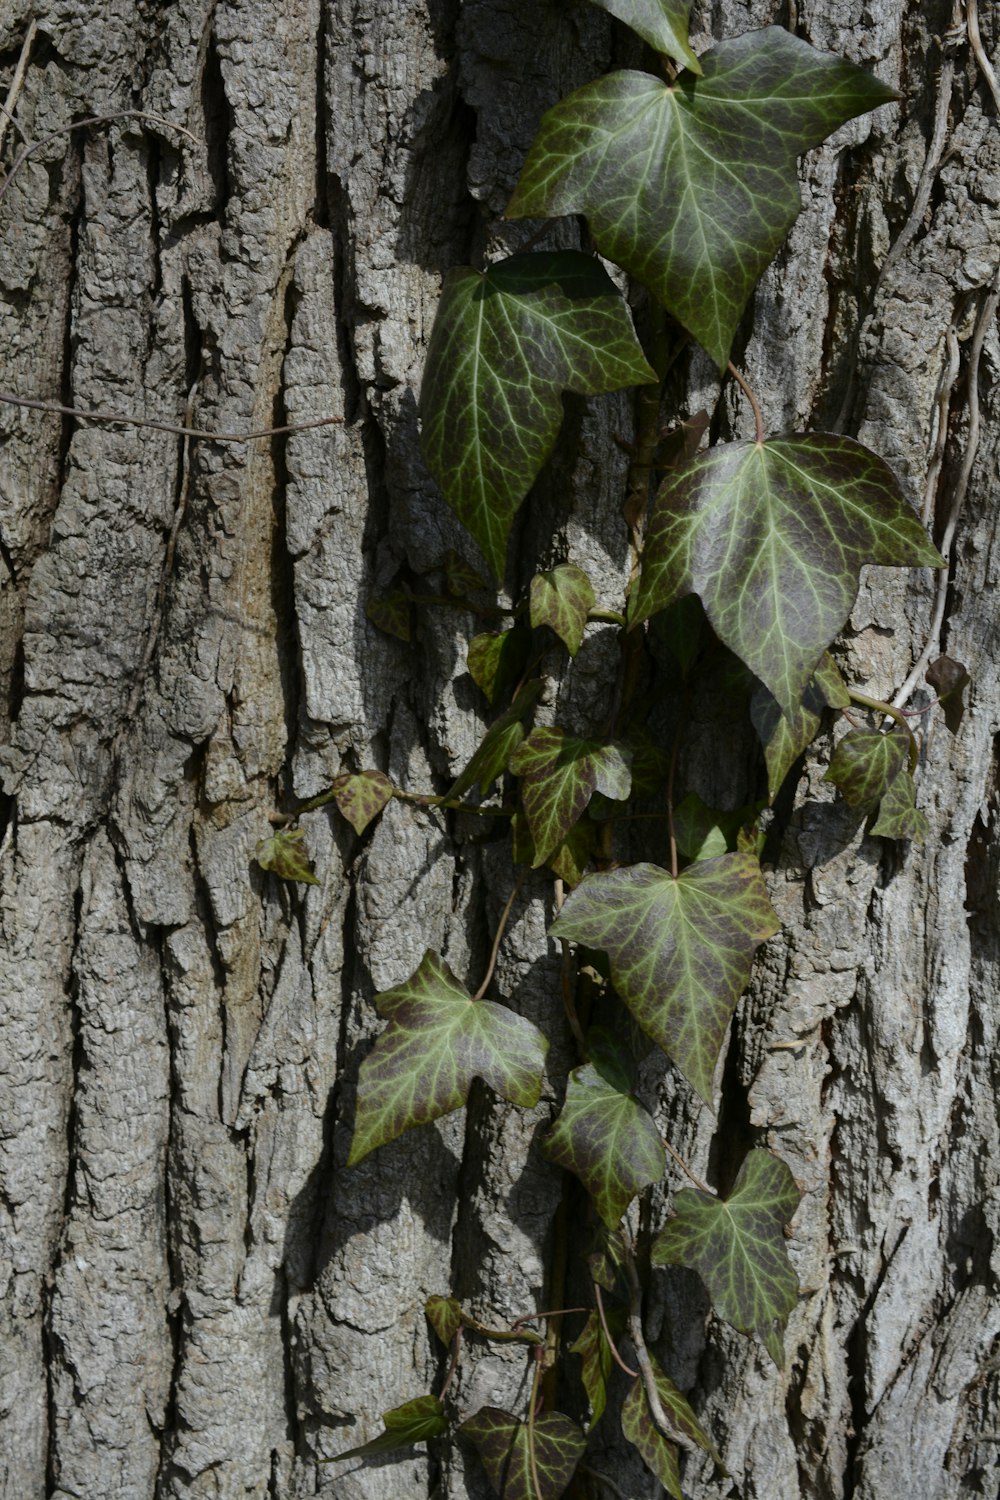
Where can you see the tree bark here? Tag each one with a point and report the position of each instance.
(198, 1297)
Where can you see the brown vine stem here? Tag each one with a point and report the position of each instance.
(688, 1171)
(501, 925)
(647, 1374)
(532, 1460)
(552, 1312)
(17, 82)
(979, 51)
(127, 419)
(758, 415)
(456, 1355)
(120, 114)
(612, 1347)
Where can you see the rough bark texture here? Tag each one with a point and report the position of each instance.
(198, 1298)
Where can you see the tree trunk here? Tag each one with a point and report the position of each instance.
(198, 1297)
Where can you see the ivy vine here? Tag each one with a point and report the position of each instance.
(687, 181)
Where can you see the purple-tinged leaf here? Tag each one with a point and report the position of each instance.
(785, 736)
(594, 1350)
(444, 1314)
(898, 814)
(497, 659)
(361, 798)
(559, 775)
(502, 1443)
(562, 600)
(865, 763)
(284, 854)
(393, 615)
(949, 679)
(569, 861)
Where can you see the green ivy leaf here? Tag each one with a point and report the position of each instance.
(785, 736)
(661, 23)
(460, 577)
(393, 615)
(497, 659)
(286, 856)
(569, 860)
(898, 814)
(772, 538)
(606, 1259)
(864, 764)
(562, 600)
(444, 1314)
(657, 1451)
(680, 950)
(506, 343)
(738, 1249)
(605, 1137)
(498, 743)
(437, 1041)
(361, 798)
(595, 1352)
(502, 1444)
(704, 832)
(691, 186)
(413, 1422)
(559, 775)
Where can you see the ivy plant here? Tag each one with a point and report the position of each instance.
(748, 555)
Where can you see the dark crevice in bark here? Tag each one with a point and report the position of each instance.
(321, 201)
(66, 393)
(282, 570)
(219, 121)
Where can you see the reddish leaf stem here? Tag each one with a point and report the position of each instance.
(670, 805)
(456, 1354)
(758, 415)
(494, 952)
(627, 1369)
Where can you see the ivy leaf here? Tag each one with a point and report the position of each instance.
(595, 1352)
(949, 679)
(393, 615)
(865, 762)
(506, 343)
(772, 537)
(361, 798)
(413, 1422)
(898, 814)
(657, 1451)
(737, 1247)
(562, 600)
(444, 1314)
(502, 1443)
(559, 775)
(460, 577)
(437, 1041)
(497, 659)
(498, 743)
(691, 186)
(661, 23)
(286, 856)
(569, 860)
(605, 1137)
(680, 950)
(785, 736)
(704, 832)
(606, 1259)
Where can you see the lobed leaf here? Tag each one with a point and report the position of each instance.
(605, 1137)
(438, 1040)
(680, 950)
(502, 1443)
(595, 1352)
(691, 186)
(559, 775)
(285, 855)
(865, 763)
(506, 343)
(738, 1249)
(497, 659)
(444, 1314)
(562, 599)
(361, 798)
(657, 1451)
(784, 737)
(569, 860)
(898, 814)
(661, 23)
(413, 1422)
(772, 538)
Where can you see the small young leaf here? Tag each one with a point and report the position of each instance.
(285, 855)
(361, 798)
(413, 1422)
(661, 23)
(772, 537)
(737, 1247)
(497, 659)
(559, 775)
(605, 1137)
(444, 1314)
(502, 1443)
(784, 736)
(864, 764)
(498, 743)
(680, 950)
(393, 615)
(705, 832)
(562, 600)
(949, 679)
(595, 1352)
(898, 814)
(656, 1450)
(437, 1041)
(691, 186)
(506, 343)
(569, 860)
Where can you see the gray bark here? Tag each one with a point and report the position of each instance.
(197, 1297)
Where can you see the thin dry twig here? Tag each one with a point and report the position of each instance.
(501, 925)
(983, 63)
(198, 434)
(17, 82)
(678, 1158)
(612, 1346)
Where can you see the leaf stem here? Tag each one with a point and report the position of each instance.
(552, 1312)
(689, 1171)
(758, 415)
(877, 706)
(532, 1460)
(670, 805)
(612, 1347)
(456, 1354)
(607, 617)
(647, 1374)
(494, 952)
